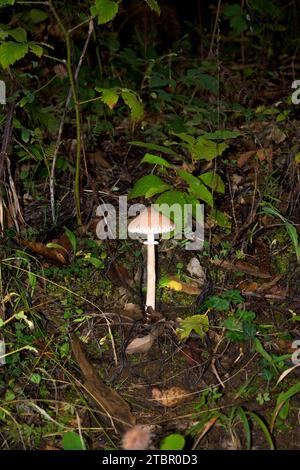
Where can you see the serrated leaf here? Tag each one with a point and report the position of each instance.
(197, 323)
(153, 4)
(11, 52)
(109, 96)
(105, 10)
(148, 185)
(134, 104)
(155, 160)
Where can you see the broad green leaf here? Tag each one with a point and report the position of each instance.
(155, 147)
(202, 193)
(197, 323)
(96, 262)
(217, 303)
(109, 96)
(11, 52)
(105, 10)
(148, 186)
(36, 49)
(173, 442)
(19, 34)
(72, 441)
(133, 102)
(213, 181)
(37, 16)
(155, 160)
(35, 378)
(4, 3)
(153, 4)
(208, 150)
(221, 218)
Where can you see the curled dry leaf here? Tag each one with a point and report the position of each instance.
(170, 397)
(59, 255)
(140, 345)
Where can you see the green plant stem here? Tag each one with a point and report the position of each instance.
(77, 112)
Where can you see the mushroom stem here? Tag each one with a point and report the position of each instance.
(150, 299)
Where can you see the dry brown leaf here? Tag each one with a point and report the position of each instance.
(133, 311)
(244, 157)
(140, 345)
(170, 397)
(55, 254)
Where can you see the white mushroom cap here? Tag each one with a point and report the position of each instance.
(150, 222)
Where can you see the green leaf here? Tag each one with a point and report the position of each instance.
(148, 186)
(221, 218)
(153, 5)
(36, 49)
(197, 323)
(105, 10)
(173, 442)
(72, 238)
(155, 147)
(4, 3)
(132, 101)
(261, 350)
(19, 34)
(37, 16)
(217, 303)
(96, 262)
(11, 52)
(213, 181)
(208, 150)
(72, 441)
(155, 160)
(196, 187)
(109, 96)
(263, 427)
(35, 378)
(234, 296)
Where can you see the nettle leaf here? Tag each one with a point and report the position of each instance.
(148, 186)
(36, 49)
(197, 323)
(132, 100)
(11, 52)
(213, 181)
(155, 160)
(19, 34)
(153, 5)
(207, 149)
(105, 10)
(109, 96)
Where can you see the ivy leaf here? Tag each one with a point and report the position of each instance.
(213, 181)
(11, 52)
(105, 10)
(148, 186)
(109, 96)
(198, 323)
(153, 5)
(155, 160)
(132, 101)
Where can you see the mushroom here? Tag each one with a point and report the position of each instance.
(150, 223)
